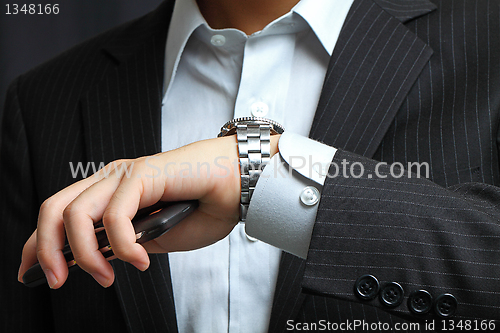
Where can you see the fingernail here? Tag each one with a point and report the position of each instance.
(51, 278)
(142, 266)
(101, 279)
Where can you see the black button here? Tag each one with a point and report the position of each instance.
(366, 287)
(445, 305)
(392, 294)
(420, 302)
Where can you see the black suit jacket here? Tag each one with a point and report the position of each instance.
(408, 82)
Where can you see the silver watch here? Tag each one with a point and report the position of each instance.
(254, 149)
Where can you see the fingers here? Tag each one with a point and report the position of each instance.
(116, 200)
(80, 231)
(73, 212)
(45, 246)
(117, 218)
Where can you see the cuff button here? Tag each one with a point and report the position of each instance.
(309, 196)
(366, 287)
(420, 302)
(391, 295)
(445, 305)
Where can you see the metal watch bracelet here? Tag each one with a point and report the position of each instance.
(254, 150)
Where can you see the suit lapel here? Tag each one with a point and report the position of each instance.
(122, 112)
(122, 118)
(374, 64)
(405, 10)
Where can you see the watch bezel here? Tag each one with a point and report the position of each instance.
(229, 128)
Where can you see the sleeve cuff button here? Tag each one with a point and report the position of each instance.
(420, 302)
(392, 294)
(309, 196)
(366, 287)
(445, 305)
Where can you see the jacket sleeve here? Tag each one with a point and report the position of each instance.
(404, 229)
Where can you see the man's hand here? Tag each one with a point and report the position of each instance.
(206, 170)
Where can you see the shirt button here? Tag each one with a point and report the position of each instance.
(218, 40)
(309, 196)
(259, 109)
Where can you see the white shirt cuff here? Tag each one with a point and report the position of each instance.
(285, 200)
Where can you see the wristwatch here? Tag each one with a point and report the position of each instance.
(254, 149)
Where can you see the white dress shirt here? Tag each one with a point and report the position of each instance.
(212, 76)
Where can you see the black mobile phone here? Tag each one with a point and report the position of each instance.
(149, 223)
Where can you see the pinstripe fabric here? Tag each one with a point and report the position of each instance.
(406, 10)
(97, 102)
(370, 73)
(409, 231)
(425, 91)
(287, 296)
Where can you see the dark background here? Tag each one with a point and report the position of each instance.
(28, 40)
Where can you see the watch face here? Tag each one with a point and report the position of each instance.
(229, 128)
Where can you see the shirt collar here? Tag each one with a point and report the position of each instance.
(327, 22)
(186, 18)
